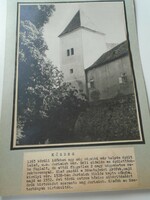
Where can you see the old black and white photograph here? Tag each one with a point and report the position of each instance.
(74, 79)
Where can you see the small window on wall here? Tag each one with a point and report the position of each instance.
(92, 84)
(71, 71)
(123, 78)
(68, 52)
(72, 51)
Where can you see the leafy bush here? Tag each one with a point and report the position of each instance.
(95, 95)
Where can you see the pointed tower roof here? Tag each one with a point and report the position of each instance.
(74, 24)
(79, 20)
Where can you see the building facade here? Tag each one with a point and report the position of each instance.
(111, 75)
(80, 46)
(89, 65)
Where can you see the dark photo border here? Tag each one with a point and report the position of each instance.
(74, 144)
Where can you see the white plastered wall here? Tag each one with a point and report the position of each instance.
(94, 45)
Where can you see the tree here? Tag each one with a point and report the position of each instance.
(36, 14)
(32, 47)
(47, 107)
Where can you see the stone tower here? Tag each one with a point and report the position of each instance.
(80, 45)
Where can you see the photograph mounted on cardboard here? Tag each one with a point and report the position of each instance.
(75, 82)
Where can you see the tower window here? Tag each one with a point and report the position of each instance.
(68, 52)
(72, 51)
(71, 71)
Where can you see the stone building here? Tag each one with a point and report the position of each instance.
(111, 74)
(89, 64)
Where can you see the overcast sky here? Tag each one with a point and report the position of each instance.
(107, 17)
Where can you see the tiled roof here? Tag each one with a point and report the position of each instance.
(74, 24)
(115, 53)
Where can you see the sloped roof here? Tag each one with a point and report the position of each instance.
(80, 20)
(74, 24)
(111, 55)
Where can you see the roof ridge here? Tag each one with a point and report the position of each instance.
(111, 55)
(116, 47)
